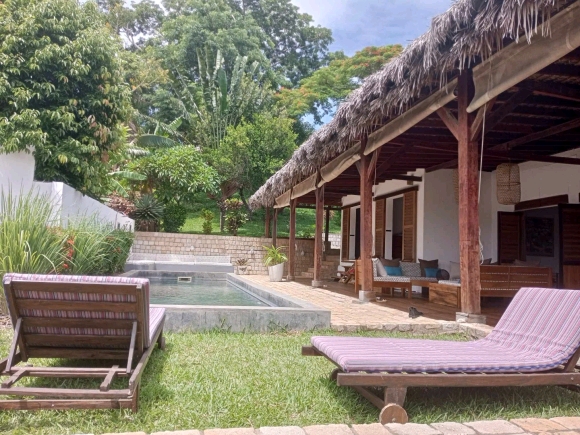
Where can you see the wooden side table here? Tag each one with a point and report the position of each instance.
(445, 294)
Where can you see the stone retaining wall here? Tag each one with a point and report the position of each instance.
(209, 245)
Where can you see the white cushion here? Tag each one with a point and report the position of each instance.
(379, 269)
(454, 270)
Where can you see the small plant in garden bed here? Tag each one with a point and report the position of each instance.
(148, 212)
(208, 217)
(235, 216)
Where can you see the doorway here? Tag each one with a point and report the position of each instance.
(357, 234)
(397, 229)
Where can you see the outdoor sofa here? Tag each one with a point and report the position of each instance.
(500, 281)
(536, 342)
(411, 277)
(79, 317)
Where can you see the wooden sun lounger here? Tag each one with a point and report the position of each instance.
(100, 318)
(366, 364)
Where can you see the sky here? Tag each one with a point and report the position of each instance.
(356, 24)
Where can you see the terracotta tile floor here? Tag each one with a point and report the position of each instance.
(346, 311)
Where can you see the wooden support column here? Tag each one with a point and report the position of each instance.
(267, 223)
(367, 164)
(326, 232)
(275, 228)
(468, 167)
(292, 242)
(317, 279)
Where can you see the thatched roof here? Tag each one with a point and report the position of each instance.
(469, 32)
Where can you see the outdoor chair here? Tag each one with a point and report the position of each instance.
(82, 318)
(536, 342)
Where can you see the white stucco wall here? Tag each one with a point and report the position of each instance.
(17, 176)
(16, 171)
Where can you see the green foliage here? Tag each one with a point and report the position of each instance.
(32, 242)
(274, 255)
(235, 216)
(61, 89)
(148, 212)
(193, 24)
(295, 46)
(94, 248)
(208, 217)
(176, 174)
(318, 94)
(253, 151)
(174, 217)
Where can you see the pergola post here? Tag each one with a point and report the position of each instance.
(267, 223)
(366, 222)
(275, 228)
(468, 168)
(292, 242)
(317, 279)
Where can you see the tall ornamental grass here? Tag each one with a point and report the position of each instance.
(32, 241)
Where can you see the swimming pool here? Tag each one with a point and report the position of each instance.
(227, 302)
(195, 291)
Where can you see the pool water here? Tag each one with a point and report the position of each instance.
(200, 292)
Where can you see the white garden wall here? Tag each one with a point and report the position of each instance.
(17, 176)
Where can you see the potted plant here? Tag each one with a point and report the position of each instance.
(275, 259)
(242, 266)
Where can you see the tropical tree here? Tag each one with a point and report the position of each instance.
(61, 89)
(295, 46)
(319, 94)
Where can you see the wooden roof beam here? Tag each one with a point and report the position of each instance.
(561, 70)
(382, 168)
(575, 123)
(533, 158)
(495, 117)
(557, 90)
(449, 120)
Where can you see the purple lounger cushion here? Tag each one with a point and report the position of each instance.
(539, 331)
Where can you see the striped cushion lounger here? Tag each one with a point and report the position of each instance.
(79, 317)
(536, 342)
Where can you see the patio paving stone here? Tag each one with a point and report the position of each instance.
(329, 429)
(568, 422)
(284, 430)
(537, 424)
(370, 429)
(178, 432)
(450, 428)
(493, 427)
(233, 431)
(412, 429)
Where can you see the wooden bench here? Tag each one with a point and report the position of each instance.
(496, 281)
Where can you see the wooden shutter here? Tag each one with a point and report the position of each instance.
(509, 236)
(409, 226)
(345, 236)
(380, 214)
(570, 246)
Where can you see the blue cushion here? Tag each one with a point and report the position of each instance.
(431, 272)
(393, 271)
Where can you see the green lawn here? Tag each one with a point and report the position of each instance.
(220, 379)
(305, 222)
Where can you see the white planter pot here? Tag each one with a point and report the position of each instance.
(276, 272)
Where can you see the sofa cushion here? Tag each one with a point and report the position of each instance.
(428, 264)
(378, 269)
(394, 271)
(391, 263)
(411, 269)
(431, 272)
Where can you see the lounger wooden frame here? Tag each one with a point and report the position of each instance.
(25, 346)
(395, 385)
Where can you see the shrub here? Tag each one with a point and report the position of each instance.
(148, 213)
(31, 241)
(207, 216)
(174, 217)
(235, 217)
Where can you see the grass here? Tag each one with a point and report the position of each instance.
(305, 221)
(220, 379)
